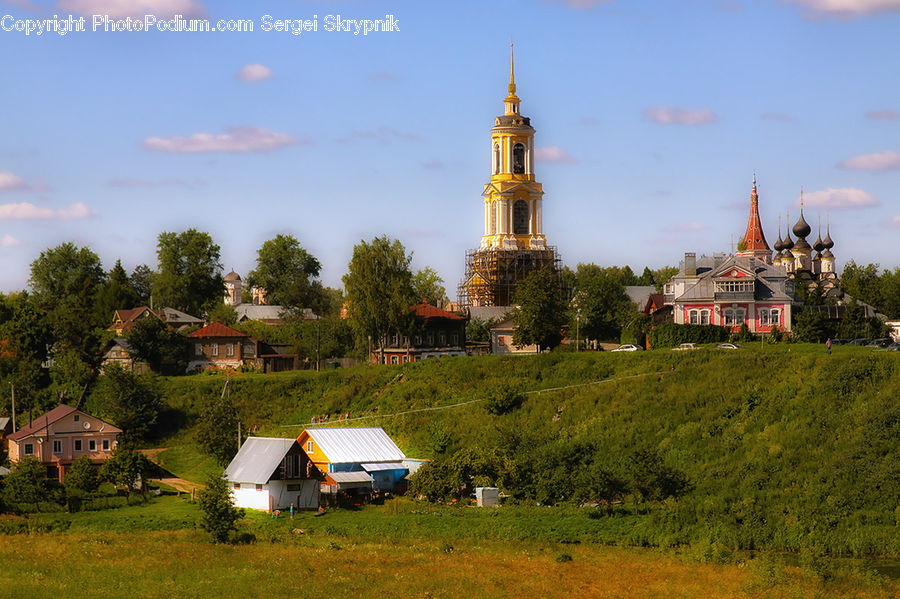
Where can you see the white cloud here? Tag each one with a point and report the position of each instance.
(254, 72)
(680, 116)
(878, 161)
(11, 182)
(838, 199)
(849, 8)
(8, 241)
(28, 211)
(118, 9)
(579, 4)
(883, 115)
(684, 227)
(893, 223)
(238, 139)
(554, 155)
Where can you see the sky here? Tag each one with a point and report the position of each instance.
(651, 116)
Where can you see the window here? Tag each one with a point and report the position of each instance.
(764, 317)
(394, 360)
(430, 339)
(294, 487)
(229, 349)
(704, 316)
(57, 446)
(694, 317)
(442, 338)
(198, 349)
(105, 444)
(77, 417)
(214, 349)
(739, 317)
(259, 487)
(418, 340)
(455, 338)
(77, 444)
(518, 156)
(92, 445)
(734, 286)
(520, 217)
(496, 158)
(309, 447)
(774, 316)
(29, 449)
(237, 486)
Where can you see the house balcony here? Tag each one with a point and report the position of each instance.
(734, 296)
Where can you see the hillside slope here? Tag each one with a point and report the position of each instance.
(782, 446)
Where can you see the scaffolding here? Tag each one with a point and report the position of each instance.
(492, 274)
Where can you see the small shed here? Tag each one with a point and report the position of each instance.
(271, 474)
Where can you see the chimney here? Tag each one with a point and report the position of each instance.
(690, 264)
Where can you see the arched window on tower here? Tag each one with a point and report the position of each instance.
(496, 159)
(520, 217)
(518, 156)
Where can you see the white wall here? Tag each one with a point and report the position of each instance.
(305, 498)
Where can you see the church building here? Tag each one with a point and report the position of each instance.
(513, 244)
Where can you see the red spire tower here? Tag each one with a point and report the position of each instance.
(754, 242)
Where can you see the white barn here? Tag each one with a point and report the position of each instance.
(271, 474)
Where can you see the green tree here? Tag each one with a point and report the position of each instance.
(164, 350)
(479, 330)
(600, 302)
(81, 481)
(26, 483)
(379, 290)
(503, 399)
(223, 313)
(218, 429)
(65, 281)
(189, 277)
(70, 377)
(131, 402)
(647, 277)
(141, 280)
(287, 272)
(540, 313)
(811, 325)
(220, 516)
(663, 275)
(126, 468)
(428, 287)
(26, 339)
(116, 293)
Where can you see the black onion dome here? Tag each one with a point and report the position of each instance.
(788, 243)
(802, 228)
(827, 242)
(828, 254)
(819, 245)
(779, 245)
(801, 244)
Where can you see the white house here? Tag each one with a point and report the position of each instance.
(271, 474)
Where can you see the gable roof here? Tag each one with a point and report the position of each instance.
(4, 471)
(177, 317)
(45, 420)
(257, 312)
(428, 311)
(216, 329)
(639, 294)
(129, 317)
(4, 422)
(257, 459)
(356, 445)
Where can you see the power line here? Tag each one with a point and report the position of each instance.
(471, 401)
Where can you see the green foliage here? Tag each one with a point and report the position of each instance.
(163, 349)
(189, 277)
(379, 290)
(220, 517)
(125, 468)
(479, 330)
(601, 305)
(69, 377)
(130, 401)
(116, 293)
(650, 478)
(82, 476)
(673, 335)
(541, 312)
(331, 337)
(223, 313)
(429, 286)
(743, 334)
(65, 281)
(287, 272)
(141, 281)
(503, 399)
(26, 484)
(217, 431)
(811, 326)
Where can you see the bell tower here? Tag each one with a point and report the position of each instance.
(513, 244)
(512, 198)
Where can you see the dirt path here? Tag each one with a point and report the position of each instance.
(185, 486)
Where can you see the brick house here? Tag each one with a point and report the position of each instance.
(220, 346)
(61, 436)
(436, 333)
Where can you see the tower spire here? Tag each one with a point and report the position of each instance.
(512, 73)
(754, 241)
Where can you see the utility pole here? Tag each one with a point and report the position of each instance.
(318, 318)
(12, 389)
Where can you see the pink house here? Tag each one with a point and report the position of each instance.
(60, 437)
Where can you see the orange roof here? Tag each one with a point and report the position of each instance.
(217, 329)
(429, 311)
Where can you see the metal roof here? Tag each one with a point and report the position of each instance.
(3, 422)
(4, 471)
(383, 466)
(356, 445)
(349, 477)
(257, 459)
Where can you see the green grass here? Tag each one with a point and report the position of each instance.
(189, 463)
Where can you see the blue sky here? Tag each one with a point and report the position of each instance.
(651, 119)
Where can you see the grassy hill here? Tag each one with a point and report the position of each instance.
(781, 447)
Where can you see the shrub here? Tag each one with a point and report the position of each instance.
(503, 399)
(672, 334)
(220, 516)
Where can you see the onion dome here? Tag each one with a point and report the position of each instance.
(788, 243)
(827, 242)
(801, 244)
(779, 245)
(802, 228)
(232, 276)
(819, 245)
(827, 254)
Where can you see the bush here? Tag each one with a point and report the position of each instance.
(673, 335)
(219, 514)
(503, 399)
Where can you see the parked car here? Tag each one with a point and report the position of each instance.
(728, 346)
(685, 346)
(629, 347)
(883, 342)
(840, 341)
(895, 346)
(860, 341)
